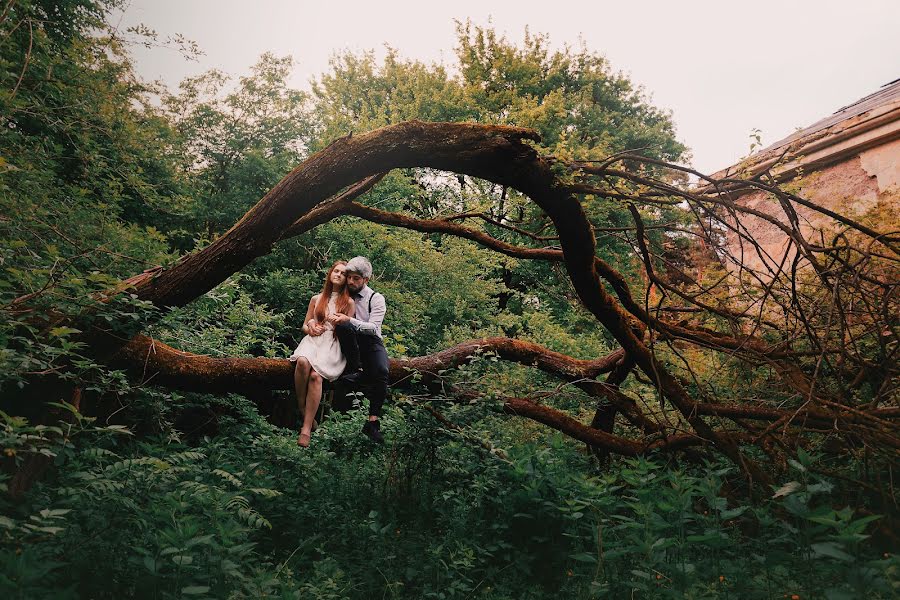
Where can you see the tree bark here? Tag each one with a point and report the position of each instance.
(155, 363)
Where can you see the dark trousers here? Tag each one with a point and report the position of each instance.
(373, 359)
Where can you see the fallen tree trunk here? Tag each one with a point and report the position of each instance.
(155, 363)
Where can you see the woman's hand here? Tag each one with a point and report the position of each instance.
(337, 318)
(314, 329)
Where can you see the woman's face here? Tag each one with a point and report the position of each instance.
(338, 275)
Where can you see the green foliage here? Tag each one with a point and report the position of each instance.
(156, 523)
(79, 146)
(84, 170)
(234, 144)
(572, 97)
(358, 95)
(432, 516)
(224, 322)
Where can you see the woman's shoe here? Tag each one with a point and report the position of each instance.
(303, 440)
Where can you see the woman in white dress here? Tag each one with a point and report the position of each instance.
(319, 354)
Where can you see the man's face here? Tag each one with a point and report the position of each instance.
(355, 282)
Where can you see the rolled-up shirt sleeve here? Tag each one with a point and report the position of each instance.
(376, 318)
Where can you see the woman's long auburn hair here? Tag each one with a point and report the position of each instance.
(342, 304)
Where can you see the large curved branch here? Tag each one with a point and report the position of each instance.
(595, 437)
(333, 208)
(579, 249)
(496, 153)
(520, 351)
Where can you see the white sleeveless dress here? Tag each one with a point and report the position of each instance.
(323, 351)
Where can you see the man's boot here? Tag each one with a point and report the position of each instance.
(372, 429)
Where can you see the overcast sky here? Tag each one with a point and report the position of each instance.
(722, 67)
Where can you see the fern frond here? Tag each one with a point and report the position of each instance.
(228, 477)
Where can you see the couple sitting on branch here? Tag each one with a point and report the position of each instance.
(343, 342)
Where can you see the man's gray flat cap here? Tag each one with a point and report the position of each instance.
(360, 265)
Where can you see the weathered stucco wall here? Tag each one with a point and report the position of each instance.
(883, 163)
(856, 186)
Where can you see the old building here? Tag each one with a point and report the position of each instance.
(848, 162)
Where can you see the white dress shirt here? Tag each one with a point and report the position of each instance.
(368, 323)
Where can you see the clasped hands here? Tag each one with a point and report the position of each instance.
(314, 328)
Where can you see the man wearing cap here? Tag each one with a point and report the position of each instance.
(364, 330)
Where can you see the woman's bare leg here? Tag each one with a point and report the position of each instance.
(313, 398)
(301, 382)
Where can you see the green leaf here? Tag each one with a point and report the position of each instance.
(63, 331)
(51, 530)
(733, 512)
(859, 525)
(822, 486)
(150, 563)
(831, 550)
(585, 557)
(787, 489)
(195, 590)
(121, 429)
(203, 539)
(641, 574)
(796, 465)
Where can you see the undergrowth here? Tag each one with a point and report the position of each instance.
(247, 514)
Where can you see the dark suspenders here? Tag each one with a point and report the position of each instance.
(370, 303)
(370, 316)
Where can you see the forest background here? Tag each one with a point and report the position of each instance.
(103, 176)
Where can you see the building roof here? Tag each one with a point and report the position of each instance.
(888, 93)
(868, 122)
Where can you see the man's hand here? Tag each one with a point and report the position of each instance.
(337, 318)
(314, 329)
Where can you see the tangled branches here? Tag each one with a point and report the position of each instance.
(818, 309)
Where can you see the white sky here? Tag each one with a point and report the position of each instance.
(722, 67)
